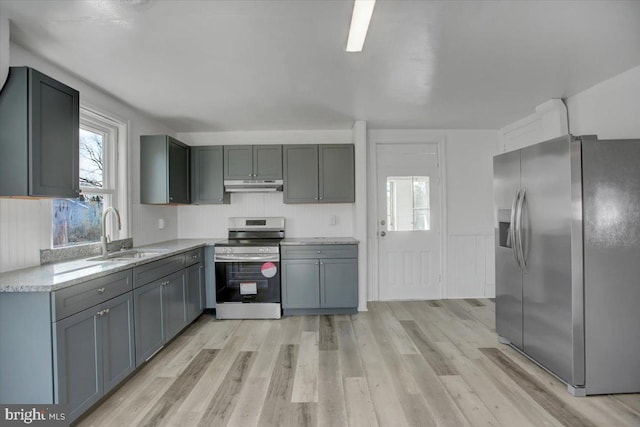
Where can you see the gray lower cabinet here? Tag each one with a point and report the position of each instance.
(149, 324)
(174, 304)
(74, 345)
(319, 173)
(164, 170)
(300, 283)
(319, 279)
(93, 352)
(39, 136)
(195, 291)
(207, 176)
(160, 313)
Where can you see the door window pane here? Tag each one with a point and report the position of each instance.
(408, 207)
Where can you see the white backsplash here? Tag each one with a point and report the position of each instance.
(301, 220)
(25, 228)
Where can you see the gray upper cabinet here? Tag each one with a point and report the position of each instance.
(267, 162)
(337, 174)
(39, 136)
(252, 162)
(207, 175)
(164, 170)
(300, 173)
(319, 173)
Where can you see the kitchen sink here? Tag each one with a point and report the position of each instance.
(127, 255)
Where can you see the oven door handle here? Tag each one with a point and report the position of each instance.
(234, 258)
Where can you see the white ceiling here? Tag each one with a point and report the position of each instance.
(271, 64)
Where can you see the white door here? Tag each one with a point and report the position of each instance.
(408, 221)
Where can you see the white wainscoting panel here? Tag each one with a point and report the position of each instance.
(470, 266)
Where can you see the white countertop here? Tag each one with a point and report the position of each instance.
(51, 277)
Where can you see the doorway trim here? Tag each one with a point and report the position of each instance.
(390, 136)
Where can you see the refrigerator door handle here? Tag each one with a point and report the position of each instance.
(519, 238)
(512, 228)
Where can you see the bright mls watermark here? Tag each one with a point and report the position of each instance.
(36, 415)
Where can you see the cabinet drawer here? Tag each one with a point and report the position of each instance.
(193, 257)
(157, 269)
(74, 299)
(319, 251)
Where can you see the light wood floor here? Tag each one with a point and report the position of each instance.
(400, 364)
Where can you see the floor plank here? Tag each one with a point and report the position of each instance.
(223, 402)
(180, 388)
(402, 363)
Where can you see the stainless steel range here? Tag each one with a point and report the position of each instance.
(248, 269)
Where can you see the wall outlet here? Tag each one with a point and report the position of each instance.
(333, 220)
(161, 223)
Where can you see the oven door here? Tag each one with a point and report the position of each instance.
(249, 281)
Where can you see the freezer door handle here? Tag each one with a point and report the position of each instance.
(519, 238)
(512, 228)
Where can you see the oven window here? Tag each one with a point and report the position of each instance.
(247, 282)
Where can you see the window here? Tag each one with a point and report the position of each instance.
(408, 207)
(77, 221)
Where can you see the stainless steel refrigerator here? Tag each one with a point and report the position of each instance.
(567, 226)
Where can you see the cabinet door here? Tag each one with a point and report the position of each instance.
(238, 162)
(207, 176)
(300, 283)
(78, 361)
(54, 142)
(300, 173)
(118, 355)
(337, 174)
(178, 172)
(195, 285)
(267, 161)
(338, 283)
(175, 304)
(149, 324)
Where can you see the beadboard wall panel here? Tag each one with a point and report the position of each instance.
(25, 227)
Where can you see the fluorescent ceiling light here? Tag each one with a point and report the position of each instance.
(362, 11)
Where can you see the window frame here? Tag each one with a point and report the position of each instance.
(115, 180)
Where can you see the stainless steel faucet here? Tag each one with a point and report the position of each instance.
(103, 239)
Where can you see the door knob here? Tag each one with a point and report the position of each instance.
(383, 222)
(382, 234)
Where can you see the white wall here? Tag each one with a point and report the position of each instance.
(610, 109)
(468, 266)
(25, 225)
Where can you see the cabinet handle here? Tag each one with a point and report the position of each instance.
(106, 311)
(315, 198)
(165, 283)
(101, 290)
(100, 313)
(317, 263)
(322, 263)
(319, 252)
(320, 198)
(194, 256)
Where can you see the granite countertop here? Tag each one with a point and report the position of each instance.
(294, 241)
(52, 277)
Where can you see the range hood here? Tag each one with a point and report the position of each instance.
(252, 185)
